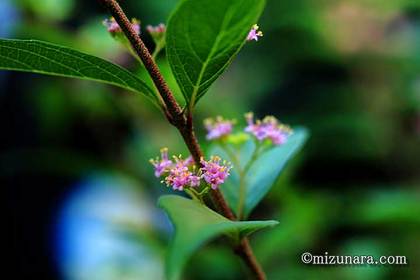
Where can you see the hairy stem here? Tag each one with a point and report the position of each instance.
(182, 122)
(174, 110)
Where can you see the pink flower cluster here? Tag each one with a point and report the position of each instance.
(268, 128)
(113, 27)
(180, 174)
(215, 172)
(218, 128)
(254, 33)
(156, 30)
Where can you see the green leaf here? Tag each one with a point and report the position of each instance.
(194, 225)
(261, 174)
(45, 58)
(203, 37)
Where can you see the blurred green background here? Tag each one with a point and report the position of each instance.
(80, 192)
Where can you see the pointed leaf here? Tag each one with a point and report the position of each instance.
(194, 225)
(203, 37)
(262, 173)
(45, 58)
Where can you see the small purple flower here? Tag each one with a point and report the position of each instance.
(113, 27)
(215, 173)
(181, 177)
(268, 128)
(195, 181)
(156, 30)
(254, 33)
(136, 25)
(218, 128)
(189, 161)
(162, 165)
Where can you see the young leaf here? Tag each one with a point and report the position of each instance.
(194, 225)
(203, 37)
(261, 174)
(45, 58)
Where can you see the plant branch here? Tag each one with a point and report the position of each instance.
(174, 110)
(184, 123)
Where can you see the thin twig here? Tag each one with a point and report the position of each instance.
(183, 123)
(172, 106)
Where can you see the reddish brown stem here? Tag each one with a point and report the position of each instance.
(184, 123)
(174, 113)
(190, 139)
(244, 250)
